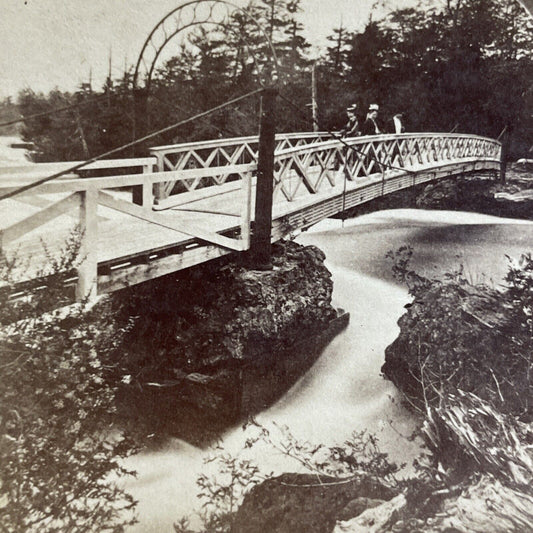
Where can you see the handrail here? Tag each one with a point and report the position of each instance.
(199, 145)
(354, 141)
(127, 180)
(323, 164)
(86, 194)
(237, 150)
(23, 175)
(37, 169)
(215, 143)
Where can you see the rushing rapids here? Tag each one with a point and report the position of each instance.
(344, 390)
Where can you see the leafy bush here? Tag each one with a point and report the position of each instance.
(359, 457)
(47, 291)
(59, 455)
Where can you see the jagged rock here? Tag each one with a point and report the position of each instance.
(220, 312)
(357, 506)
(192, 335)
(375, 520)
(481, 195)
(456, 335)
(303, 503)
(442, 194)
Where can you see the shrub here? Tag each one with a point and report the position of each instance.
(59, 455)
(221, 494)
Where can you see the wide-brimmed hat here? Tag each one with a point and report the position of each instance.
(373, 107)
(351, 107)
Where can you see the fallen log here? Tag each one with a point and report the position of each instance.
(466, 432)
(487, 506)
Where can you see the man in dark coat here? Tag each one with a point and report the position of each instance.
(351, 129)
(370, 125)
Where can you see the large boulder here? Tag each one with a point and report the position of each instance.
(223, 312)
(458, 335)
(202, 342)
(307, 503)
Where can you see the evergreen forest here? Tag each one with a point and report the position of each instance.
(450, 65)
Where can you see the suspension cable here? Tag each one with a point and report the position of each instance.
(130, 144)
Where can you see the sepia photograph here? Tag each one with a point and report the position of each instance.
(266, 266)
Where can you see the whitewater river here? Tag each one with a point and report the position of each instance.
(344, 390)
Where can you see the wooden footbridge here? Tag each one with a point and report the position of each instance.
(191, 203)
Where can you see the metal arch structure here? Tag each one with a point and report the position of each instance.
(185, 16)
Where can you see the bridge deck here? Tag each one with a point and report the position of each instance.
(124, 239)
(131, 249)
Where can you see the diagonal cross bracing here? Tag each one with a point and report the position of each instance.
(162, 220)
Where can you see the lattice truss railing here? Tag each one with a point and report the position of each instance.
(220, 153)
(312, 161)
(316, 167)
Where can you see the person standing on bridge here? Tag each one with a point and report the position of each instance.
(370, 125)
(396, 127)
(397, 124)
(351, 129)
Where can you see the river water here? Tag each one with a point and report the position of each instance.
(344, 391)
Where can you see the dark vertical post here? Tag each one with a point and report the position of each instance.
(140, 110)
(260, 246)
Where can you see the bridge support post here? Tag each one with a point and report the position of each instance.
(260, 246)
(88, 268)
(143, 194)
(246, 213)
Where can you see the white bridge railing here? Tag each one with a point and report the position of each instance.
(315, 160)
(323, 164)
(217, 153)
(85, 195)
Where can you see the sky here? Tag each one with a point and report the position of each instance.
(60, 43)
